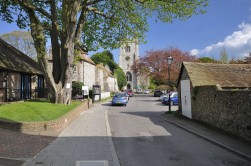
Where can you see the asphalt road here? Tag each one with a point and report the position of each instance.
(142, 138)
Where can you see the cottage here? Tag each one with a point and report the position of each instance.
(90, 74)
(84, 70)
(217, 94)
(20, 76)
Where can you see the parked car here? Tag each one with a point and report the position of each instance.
(164, 95)
(127, 96)
(173, 99)
(146, 91)
(129, 92)
(157, 93)
(120, 99)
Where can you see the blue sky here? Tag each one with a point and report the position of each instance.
(226, 25)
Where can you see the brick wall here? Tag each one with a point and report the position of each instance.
(229, 110)
(38, 128)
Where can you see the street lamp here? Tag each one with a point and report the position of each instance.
(169, 61)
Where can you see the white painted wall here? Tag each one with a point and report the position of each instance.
(186, 98)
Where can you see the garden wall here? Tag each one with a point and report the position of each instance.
(229, 110)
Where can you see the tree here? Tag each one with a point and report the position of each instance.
(121, 78)
(247, 59)
(87, 24)
(154, 63)
(105, 57)
(22, 40)
(223, 56)
(207, 60)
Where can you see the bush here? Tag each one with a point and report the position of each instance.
(77, 88)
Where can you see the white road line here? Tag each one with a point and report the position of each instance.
(109, 134)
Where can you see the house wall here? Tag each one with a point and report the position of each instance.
(99, 75)
(229, 110)
(89, 74)
(78, 72)
(112, 84)
(14, 86)
(184, 76)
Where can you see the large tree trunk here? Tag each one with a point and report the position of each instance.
(40, 45)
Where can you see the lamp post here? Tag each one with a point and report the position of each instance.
(169, 61)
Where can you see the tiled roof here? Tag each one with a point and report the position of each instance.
(226, 75)
(14, 60)
(84, 57)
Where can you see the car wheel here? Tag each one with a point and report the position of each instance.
(125, 105)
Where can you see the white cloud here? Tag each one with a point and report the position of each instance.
(237, 45)
(194, 52)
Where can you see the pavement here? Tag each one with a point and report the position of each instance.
(233, 144)
(87, 141)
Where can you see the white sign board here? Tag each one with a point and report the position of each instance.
(68, 86)
(85, 90)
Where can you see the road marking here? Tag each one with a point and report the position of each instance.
(112, 149)
(92, 163)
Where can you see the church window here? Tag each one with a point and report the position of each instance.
(127, 66)
(128, 76)
(127, 49)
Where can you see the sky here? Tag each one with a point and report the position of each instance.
(225, 26)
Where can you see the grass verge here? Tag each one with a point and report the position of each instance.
(34, 111)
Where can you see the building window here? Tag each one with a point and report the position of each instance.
(127, 49)
(127, 66)
(40, 86)
(25, 86)
(128, 76)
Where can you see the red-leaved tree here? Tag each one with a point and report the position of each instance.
(154, 64)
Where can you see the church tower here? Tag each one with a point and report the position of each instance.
(129, 53)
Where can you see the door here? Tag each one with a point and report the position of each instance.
(186, 98)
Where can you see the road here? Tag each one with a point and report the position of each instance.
(142, 138)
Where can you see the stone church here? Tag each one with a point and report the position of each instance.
(129, 53)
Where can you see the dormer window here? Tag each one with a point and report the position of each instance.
(127, 49)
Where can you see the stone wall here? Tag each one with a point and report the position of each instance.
(89, 74)
(229, 110)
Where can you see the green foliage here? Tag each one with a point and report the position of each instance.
(104, 23)
(206, 60)
(77, 88)
(121, 78)
(106, 58)
(88, 25)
